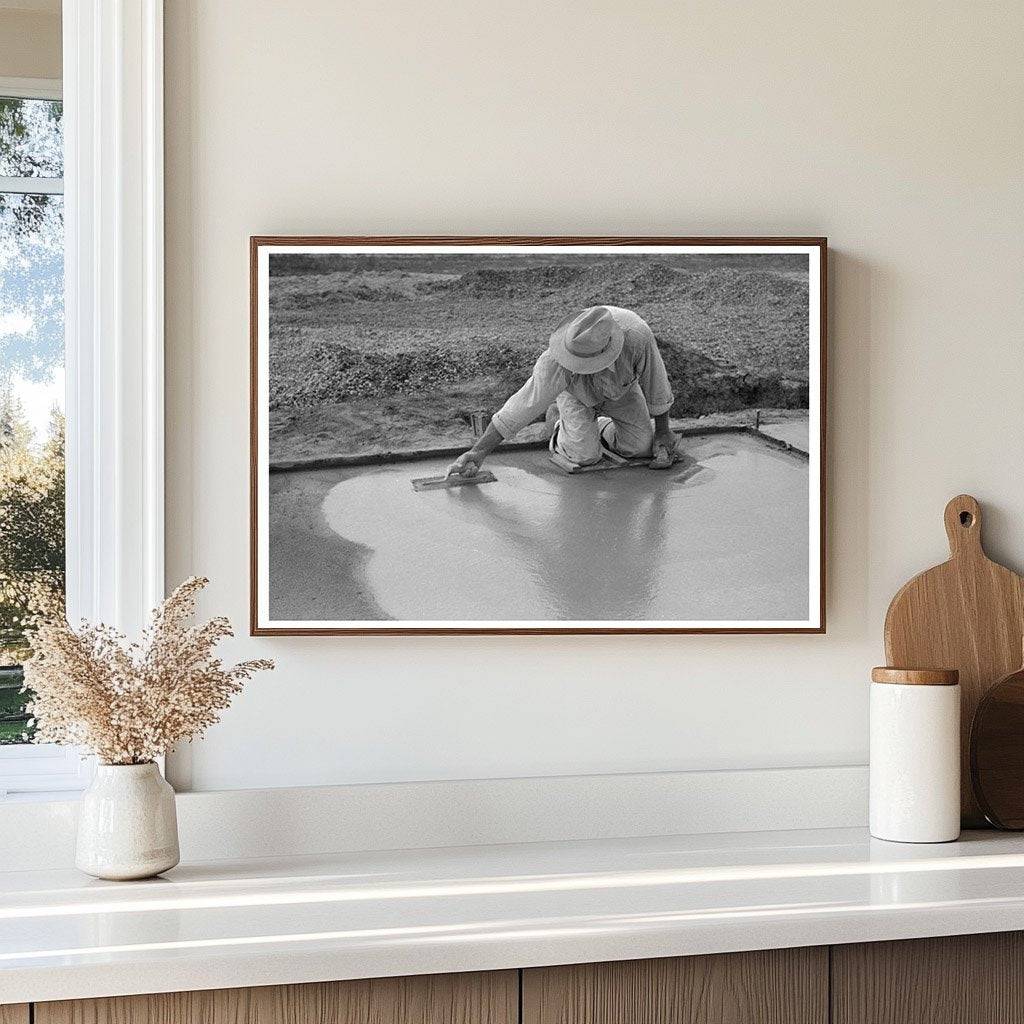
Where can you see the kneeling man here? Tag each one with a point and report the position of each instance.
(603, 369)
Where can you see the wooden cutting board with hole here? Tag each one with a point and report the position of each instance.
(967, 614)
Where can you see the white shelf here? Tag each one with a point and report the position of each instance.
(351, 915)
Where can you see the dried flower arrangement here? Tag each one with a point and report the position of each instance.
(129, 703)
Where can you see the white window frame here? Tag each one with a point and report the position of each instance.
(32, 88)
(114, 324)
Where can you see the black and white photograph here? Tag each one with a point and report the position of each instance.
(566, 435)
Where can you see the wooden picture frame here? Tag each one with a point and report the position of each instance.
(262, 623)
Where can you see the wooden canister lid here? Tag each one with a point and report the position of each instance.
(916, 676)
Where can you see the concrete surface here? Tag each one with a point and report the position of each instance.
(794, 432)
(722, 536)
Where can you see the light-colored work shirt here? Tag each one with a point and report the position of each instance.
(639, 362)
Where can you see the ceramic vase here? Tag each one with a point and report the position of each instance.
(127, 825)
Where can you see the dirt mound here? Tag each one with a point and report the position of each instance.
(351, 292)
(656, 277)
(703, 385)
(513, 284)
(615, 283)
(752, 288)
(343, 373)
(315, 379)
(632, 284)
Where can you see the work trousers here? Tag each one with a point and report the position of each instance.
(623, 425)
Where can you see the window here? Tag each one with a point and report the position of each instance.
(92, 172)
(32, 548)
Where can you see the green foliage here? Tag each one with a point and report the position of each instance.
(31, 520)
(31, 346)
(14, 727)
(30, 147)
(32, 551)
(31, 138)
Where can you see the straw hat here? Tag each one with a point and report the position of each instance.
(588, 342)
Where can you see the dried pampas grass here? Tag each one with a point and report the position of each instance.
(129, 703)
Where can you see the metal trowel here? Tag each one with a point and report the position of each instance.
(441, 483)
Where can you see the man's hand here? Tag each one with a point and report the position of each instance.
(663, 449)
(467, 464)
(666, 439)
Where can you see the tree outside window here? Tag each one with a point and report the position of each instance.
(31, 387)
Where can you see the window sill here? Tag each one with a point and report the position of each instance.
(44, 771)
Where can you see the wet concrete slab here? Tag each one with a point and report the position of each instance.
(721, 536)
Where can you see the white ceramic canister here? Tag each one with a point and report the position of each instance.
(127, 825)
(915, 755)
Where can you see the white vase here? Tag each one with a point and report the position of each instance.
(127, 825)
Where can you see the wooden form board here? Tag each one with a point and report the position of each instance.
(776, 986)
(965, 614)
(14, 1013)
(479, 998)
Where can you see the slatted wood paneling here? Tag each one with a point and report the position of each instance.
(964, 979)
(14, 1013)
(781, 986)
(490, 998)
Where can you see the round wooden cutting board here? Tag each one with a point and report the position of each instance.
(967, 614)
(997, 752)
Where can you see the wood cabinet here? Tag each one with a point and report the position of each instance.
(491, 998)
(776, 986)
(962, 979)
(970, 979)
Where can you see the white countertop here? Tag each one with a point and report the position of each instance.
(262, 922)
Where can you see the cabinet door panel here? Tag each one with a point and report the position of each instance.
(482, 998)
(778, 986)
(960, 979)
(14, 1013)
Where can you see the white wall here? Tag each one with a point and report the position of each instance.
(895, 129)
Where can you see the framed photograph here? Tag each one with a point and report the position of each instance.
(537, 435)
